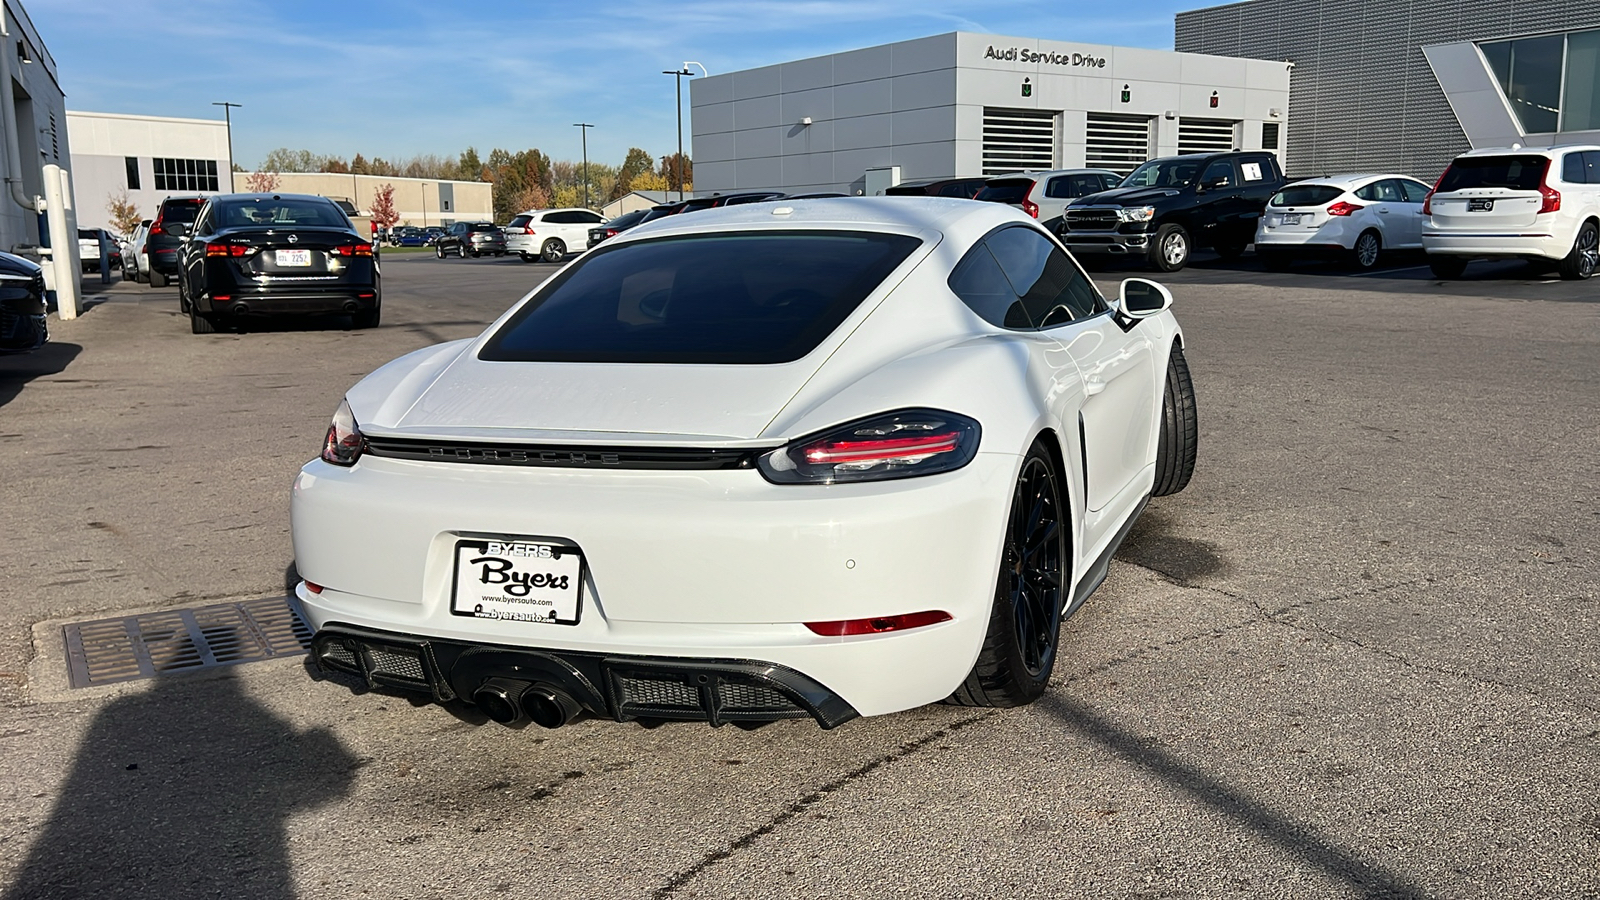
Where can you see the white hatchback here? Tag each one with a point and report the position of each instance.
(1533, 203)
(550, 234)
(1356, 217)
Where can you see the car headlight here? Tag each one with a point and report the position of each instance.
(901, 444)
(344, 442)
(1136, 214)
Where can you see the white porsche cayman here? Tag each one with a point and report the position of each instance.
(823, 459)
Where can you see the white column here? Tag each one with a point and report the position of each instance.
(63, 243)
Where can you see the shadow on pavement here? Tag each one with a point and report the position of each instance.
(17, 370)
(1297, 839)
(183, 791)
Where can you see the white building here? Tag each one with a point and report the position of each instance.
(970, 104)
(149, 157)
(40, 137)
(419, 201)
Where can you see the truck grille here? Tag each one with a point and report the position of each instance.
(1091, 219)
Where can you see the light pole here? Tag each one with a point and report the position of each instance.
(585, 126)
(678, 77)
(227, 118)
(424, 204)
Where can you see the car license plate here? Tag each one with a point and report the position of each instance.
(517, 580)
(294, 257)
(1291, 218)
(1480, 205)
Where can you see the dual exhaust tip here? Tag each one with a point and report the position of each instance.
(508, 701)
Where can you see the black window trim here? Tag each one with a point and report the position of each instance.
(982, 244)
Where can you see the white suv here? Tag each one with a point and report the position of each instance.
(1534, 203)
(550, 234)
(1045, 195)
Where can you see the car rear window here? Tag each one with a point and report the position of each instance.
(739, 299)
(180, 211)
(483, 226)
(279, 211)
(519, 221)
(1306, 195)
(1522, 173)
(1014, 191)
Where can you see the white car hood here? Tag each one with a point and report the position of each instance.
(447, 392)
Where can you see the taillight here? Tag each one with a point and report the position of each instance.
(157, 229)
(343, 445)
(900, 444)
(1030, 208)
(879, 624)
(353, 250)
(223, 249)
(1550, 197)
(1427, 202)
(1343, 208)
(612, 232)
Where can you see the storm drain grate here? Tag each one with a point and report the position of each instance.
(107, 651)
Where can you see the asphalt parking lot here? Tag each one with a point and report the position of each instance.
(1358, 657)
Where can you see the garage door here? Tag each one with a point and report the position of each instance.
(1016, 140)
(1205, 135)
(1116, 142)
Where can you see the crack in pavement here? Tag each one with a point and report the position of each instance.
(677, 881)
(1274, 616)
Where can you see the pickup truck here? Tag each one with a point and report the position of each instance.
(1170, 206)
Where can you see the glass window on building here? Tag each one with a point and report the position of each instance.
(1529, 72)
(133, 172)
(186, 174)
(1269, 136)
(1580, 108)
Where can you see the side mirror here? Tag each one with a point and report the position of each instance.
(1214, 184)
(1140, 298)
(178, 229)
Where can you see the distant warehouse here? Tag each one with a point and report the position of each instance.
(964, 104)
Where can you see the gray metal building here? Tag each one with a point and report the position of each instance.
(1397, 85)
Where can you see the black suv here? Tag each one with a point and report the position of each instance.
(471, 239)
(1167, 207)
(171, 224)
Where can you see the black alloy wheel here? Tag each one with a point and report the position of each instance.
(1019, 651)
(553, 250)
(1585, 256)
(438, 251)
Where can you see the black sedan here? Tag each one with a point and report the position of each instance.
(22, 326)
(616, 226)
(283, 254)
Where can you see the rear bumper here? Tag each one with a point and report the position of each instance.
(268, 303)
(1491, 244)
(613, 686)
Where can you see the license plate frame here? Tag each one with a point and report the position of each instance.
(1291, 218)
(292, 259)
(1478, 204)
(555, 599)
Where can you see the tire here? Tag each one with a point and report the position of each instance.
(526, 257)
(1447, 267)
(1369, 246)
(438, 251)
(1169, 252)
(1179, 441)
(1585, 256)
(199, 324)
(1232, 251)
(158, 279)
(1019, 650)
(183, 297)
(367, 318)
(553, 250)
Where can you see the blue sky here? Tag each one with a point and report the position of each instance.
(403, 77)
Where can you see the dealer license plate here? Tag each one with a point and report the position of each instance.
(1480, 205)
(1291, 218)
(517, 580)
(294, 257)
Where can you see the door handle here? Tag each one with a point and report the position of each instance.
(1384, 210)
(1093, 385)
